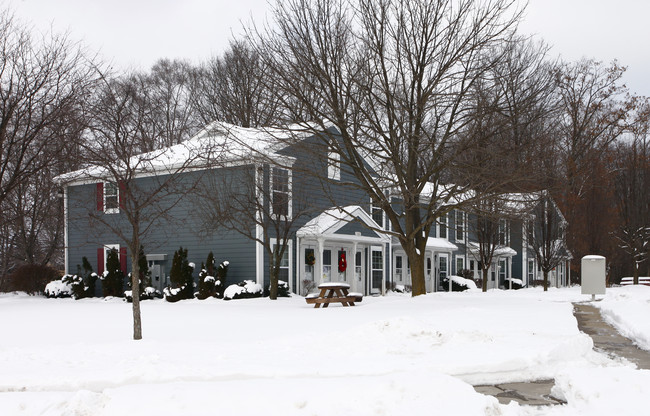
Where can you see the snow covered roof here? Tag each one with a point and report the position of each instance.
(499, 251)
(440, 244)
(331, 220)
(217, 143)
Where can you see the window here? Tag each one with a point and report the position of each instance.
(442, 226)
(460, 226)
(327, 265)
(502, 270)
(108, 197)
(398, 268)
(333, 166)
(285, 261)
(504, 233)
(460, 265)
(531, 270)
(377, 214)
(102, 256)
(281, 192)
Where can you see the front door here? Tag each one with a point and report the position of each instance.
(359, 273)
(376, 269)
(308, 283)
(443, 270)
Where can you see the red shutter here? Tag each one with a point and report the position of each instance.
(120, 193)
(100, 198)
(123, 259)
(100, 260)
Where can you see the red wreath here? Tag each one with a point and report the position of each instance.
(343, 264)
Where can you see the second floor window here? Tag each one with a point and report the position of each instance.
(460, 226)
(280, 192)
(504, 233)
(377, 214)
(442, 226)
(111, 198)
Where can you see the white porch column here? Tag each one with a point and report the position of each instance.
(299, 269)
(383, 279)
(355, 282)
(509, 271)
(318, 279)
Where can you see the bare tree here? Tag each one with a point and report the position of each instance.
(43, 82)
(144, 187)
(545, 233)
(632, 182)
(392, 78)
(236, 88)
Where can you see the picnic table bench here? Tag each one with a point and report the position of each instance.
(333, 292)
(626, 281)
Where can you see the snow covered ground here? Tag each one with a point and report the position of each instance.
(390, 355)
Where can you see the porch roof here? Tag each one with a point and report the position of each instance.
(499, 251)
(330, 221)
(433, 243)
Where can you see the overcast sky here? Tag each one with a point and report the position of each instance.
(135, 33)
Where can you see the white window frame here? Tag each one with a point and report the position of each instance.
(462, 260)
(289, 192)
(443, 219)
(382, 225)
(460, 214)
(288, 252)
(116, 209)
(333, 166)
(532, 275)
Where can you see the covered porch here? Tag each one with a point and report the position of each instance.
(500, 269)
(342, 245)
(437, 263)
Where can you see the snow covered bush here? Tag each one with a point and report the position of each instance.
(31, 279)
(283, 289)
(145, 289)
(458, 284)
(58, 289)
(113, 278)
(76, 284)
(207, 286)
(180, 275)
(243, 290)
(86, 287)
(222, 272)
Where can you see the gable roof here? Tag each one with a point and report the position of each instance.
(217, 144)
(331, 220)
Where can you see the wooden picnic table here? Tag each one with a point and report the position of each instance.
(332, 292)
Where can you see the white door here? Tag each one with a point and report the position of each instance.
(492, 276)
(359, 273)
(428, 273)
(443, 270)
(376, 269)
(308, 282)
(341, 266)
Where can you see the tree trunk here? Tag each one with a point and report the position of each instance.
(273, 277)
(485, 279)
(135, 293)
(636, 271)
(418, 284)
(545, 280)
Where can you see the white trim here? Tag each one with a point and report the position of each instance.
(259, 231)
(66, 254)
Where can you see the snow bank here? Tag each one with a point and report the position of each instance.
(627, 308)
(468, 283)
